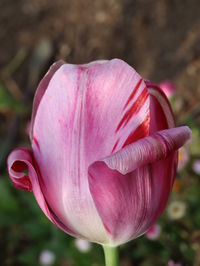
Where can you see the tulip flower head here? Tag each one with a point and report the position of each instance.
(104, 151)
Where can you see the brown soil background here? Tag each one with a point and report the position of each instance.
(160, 39)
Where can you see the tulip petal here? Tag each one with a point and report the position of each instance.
(19, 161)
(162, 118)
(117, 110)
(160, 109)
(41, 90)
(87, 112)
(126, 189)
(44, 84)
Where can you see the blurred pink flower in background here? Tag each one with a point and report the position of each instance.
(104, 151)
(172, 263)
(183, 158)
(196, 167)
(153, 232)
(168, 88)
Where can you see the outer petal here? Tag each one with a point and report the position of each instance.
(86, 113)
(18, 162)
(118, 183)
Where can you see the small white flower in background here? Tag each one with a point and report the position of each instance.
(176, 210)
(154, 232)
(47, 257)
(183, 158)
(172, 263)
(196, 167)
(82, 245)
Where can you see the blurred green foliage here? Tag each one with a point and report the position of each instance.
(8, 102)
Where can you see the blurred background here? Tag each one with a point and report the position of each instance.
(161, 40)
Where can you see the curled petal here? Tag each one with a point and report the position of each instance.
(148, 150)
(21, 160)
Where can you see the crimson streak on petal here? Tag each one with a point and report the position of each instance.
(134, 109)
(140, 132)
(133, 93)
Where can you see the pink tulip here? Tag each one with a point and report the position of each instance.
(104, 151)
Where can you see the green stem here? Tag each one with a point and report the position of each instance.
(111, 256)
